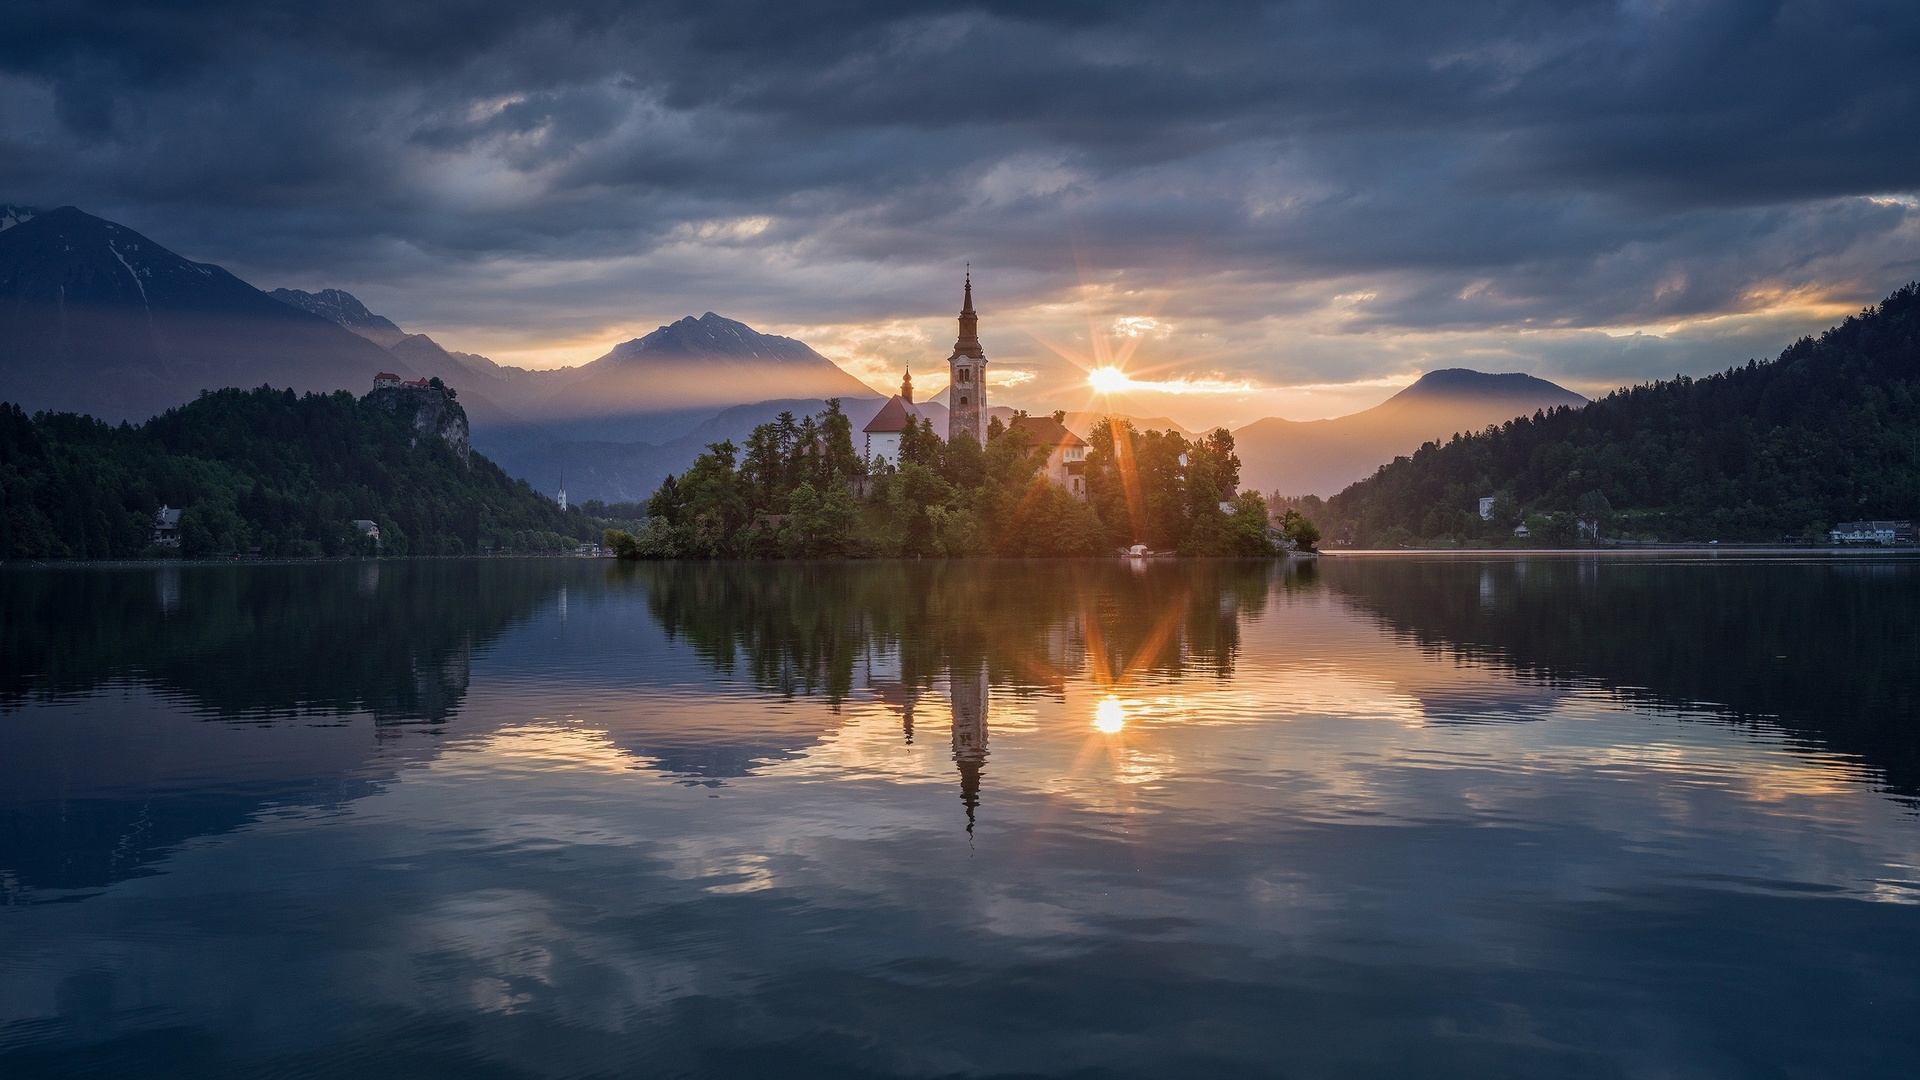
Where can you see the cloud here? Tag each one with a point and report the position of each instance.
(535, 181)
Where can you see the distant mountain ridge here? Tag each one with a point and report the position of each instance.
(97, 318)
(617, 426)
(340, 306)
(1320, 457)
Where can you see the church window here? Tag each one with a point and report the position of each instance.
(963, 401)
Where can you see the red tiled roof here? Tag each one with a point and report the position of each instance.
(894, 416)
(386, 375)
(1046, 431)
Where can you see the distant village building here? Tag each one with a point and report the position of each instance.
(1522, 531)
(884, 430)
(967, 390)
(1066, 452)
(1486, 507)
(368, 528)
(166, 526)
(1872, 532)
(386, 380)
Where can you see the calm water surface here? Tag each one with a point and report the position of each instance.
(1645, 816)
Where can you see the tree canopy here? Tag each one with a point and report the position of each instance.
(801, 490)
(262, 469)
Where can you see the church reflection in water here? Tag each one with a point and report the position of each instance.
(969, 692)
(967, 698)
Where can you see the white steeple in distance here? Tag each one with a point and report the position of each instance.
(967, 389)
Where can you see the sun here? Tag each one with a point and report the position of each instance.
(1108, 380)
(1109, 716)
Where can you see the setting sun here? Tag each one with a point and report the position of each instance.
(1109, 716)
(1108, 380)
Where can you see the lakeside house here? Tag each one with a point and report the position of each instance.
(1872, 532)
(166, 526)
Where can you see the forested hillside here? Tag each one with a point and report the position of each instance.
(1828, 432)
(270, 470)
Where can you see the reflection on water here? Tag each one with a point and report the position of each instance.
(1443, 816)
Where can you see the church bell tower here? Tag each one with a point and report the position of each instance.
(967, 391)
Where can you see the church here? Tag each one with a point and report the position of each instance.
(967, 393)
(967, 410)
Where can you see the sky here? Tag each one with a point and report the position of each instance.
(1256, 209)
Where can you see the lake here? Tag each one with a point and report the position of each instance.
(1644, 815)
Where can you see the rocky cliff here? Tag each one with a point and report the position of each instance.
(433, 410)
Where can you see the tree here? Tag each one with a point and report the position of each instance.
(1299, 530)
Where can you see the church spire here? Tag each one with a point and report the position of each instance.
(906, 386)
(969, 341)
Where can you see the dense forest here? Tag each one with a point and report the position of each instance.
(269, 472)
(798, 489)
(1828, 432)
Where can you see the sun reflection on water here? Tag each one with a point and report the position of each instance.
(1109, 716)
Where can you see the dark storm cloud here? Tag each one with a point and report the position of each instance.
(1482, 164)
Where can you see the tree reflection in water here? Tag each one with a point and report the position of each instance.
(1824, 647)
(897, 630)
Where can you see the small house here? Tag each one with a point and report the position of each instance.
(166, 526)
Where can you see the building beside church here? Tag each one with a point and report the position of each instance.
(1066, 452)
(967, 390)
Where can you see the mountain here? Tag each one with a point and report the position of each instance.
(267, 469)
(1829, 431)
(617, 426)
(1319, 457)
(340, 306)
(706, 363)
(97, 318)
(482, 382)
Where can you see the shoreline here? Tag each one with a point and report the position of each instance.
(1775, 550)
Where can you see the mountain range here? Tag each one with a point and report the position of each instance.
(96, 318)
